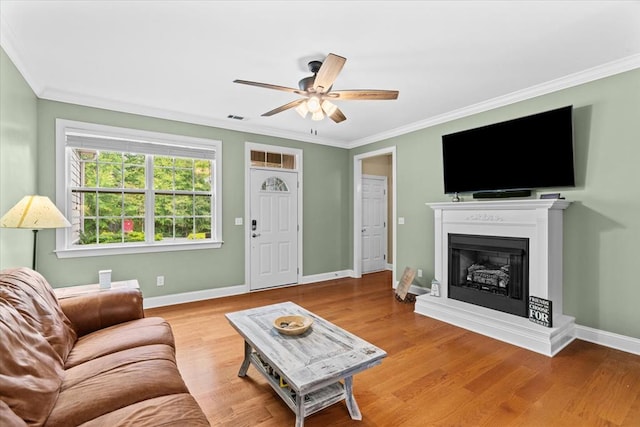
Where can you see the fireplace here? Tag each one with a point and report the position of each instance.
(490, 271)
(490, 257)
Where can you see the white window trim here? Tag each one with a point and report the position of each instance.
(63, 195)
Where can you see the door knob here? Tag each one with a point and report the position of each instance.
(254, 235)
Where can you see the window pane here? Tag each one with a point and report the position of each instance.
(202, 205)
(274, 160)
(203, 225)
(109, 204)
(110, 230)
(134, 205)
(163, 173)
(183, 163)
(184, 205)
(274, 184)
(258, 158)
(110, 175)
(89, 204)
(133, 229)
(87, 155)
(163, 161)
(164, 228)
(202, 175)
(134, 159)
(89, 234)
(288, 161)
(88, 174)
(164, 205)
(184, 179)
(184, 227)
(134, 177)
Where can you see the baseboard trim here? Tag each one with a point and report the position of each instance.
(608, 339)
(185, 297)
(414, 289)
(194, 296)
(323, 277)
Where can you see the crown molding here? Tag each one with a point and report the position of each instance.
(8, 43)
(601, 71)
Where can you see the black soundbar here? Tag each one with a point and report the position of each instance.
(501, 194)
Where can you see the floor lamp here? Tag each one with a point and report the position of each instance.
(35, 213)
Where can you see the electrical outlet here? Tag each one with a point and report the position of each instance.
(419, 272)
(160, 281)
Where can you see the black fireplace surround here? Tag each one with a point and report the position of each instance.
(490, 271)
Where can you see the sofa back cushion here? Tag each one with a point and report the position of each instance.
(31, 370)
(30, 293)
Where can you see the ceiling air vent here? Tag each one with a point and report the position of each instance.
(233, 116)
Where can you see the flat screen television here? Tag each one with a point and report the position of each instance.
(526, 153)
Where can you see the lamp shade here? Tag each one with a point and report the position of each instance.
(34, 212)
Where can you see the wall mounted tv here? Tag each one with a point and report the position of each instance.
(511, 158)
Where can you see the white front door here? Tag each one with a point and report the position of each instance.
(374, 223)
(273, 228)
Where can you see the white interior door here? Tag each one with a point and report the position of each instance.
(274, 228)
(374, 223)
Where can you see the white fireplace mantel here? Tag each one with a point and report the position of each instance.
(540, 221)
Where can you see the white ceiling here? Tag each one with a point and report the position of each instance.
(178, 59)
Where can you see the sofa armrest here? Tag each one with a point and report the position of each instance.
(93, 311)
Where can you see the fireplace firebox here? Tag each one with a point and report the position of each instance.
(490, 271)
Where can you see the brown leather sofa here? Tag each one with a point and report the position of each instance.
(90, 360)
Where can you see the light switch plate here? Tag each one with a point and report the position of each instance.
(238, 221)
(401, 220)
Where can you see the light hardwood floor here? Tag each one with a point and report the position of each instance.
(435, 374)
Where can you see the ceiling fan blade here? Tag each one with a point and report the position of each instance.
(364, 94)
(270, 86)
(337, 116)
(284, 107)
(328, 72)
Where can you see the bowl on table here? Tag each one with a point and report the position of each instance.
(292, 324)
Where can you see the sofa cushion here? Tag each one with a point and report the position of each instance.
(165, 411)
(114, 381)
(30, 369)
(8, 418)
(33, 297)
(150, 330)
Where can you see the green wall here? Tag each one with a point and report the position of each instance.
(325, 192)
(18, 158)
(602, 225)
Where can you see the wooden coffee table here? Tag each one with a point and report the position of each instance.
(310, 371)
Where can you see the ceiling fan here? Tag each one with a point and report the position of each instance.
(317, 94)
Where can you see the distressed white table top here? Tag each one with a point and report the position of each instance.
(323, 354)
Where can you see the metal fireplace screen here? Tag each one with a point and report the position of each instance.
(491, 271)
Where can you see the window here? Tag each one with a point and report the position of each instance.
(273, 160)
(274, 183)
(128, 191)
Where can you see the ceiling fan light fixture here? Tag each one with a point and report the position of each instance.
(328, 107)
(317, 116)
(302, 110)
(313, 104)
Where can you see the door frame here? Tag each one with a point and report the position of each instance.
(357, 209)
(385, 181)
(248, 146)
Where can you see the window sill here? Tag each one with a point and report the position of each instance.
(136, 249)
